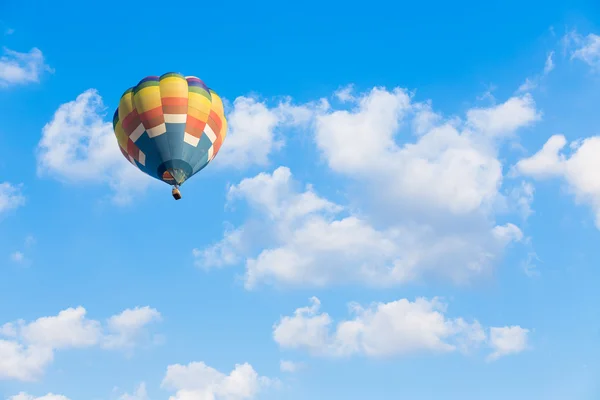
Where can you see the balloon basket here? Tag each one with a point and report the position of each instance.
(176, 194)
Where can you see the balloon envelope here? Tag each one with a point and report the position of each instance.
(170, 127)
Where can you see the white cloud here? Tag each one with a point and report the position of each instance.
(425, 119)
(78, 146)
(378, 114)
(385, 329)
(300, 242)
(22, 68)
(198, 381)
(425, 207)
(69, 329)
(11, 197)
(452, 167)
(345, 94)
(382, 329)
(126, 326)
(504, 119)
(49, 396)
(507, 340)
(24, 363)
(139, 394)
(507, 233)
(32, 345)
(577, 169)
(222, 254)
(8, 330)
(546, 163)
(440, 145)
(584, 48)
(289, 366)
(253, 131)
(528, 85)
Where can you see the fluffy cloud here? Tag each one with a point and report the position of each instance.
(125, 327)
(391, 329)
(507, 340)
(575, 166)
(11, 197)
(69, 329)
(503, 119)
(452, 166)
(302, 241)
(584, 48)
(49, 396)
(425, 207)
(344, 94)
(254, 131)
(194, 381)
(22, 68)
(198, 381)
(78, 146)
(20, 362)
(30, 348)
(8, 330)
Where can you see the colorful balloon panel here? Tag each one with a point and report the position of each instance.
(170, 127)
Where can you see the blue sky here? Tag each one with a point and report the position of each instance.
(406, 205)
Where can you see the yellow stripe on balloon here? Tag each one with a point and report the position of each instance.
(173, 87)
(147, 99)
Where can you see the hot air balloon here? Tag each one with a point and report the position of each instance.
(170, 127)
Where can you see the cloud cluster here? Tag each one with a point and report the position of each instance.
(22, 68)
(576, 166)
(11, 197)
(197, 380)
(432, 189)
(584, 48)
(507, 340)
(426, 207)
(255, 131)
(28, 348)
(393, 329)
(49, 396)
(78, 145)
(194, 381)
(451, 167)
